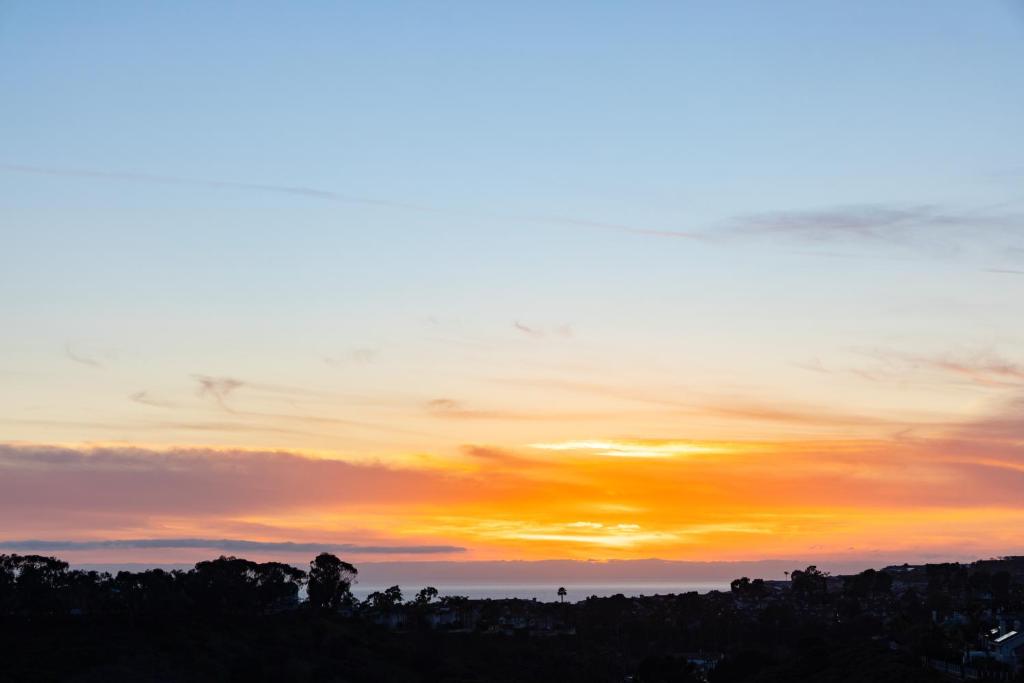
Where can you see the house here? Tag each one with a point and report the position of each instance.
(704, 662)
(392, 619)
(443, 618)
(1009, 649)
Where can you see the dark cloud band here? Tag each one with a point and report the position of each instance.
(233, 545)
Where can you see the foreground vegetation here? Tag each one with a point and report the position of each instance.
(234, 620)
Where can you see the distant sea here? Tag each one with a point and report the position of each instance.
(548, 592)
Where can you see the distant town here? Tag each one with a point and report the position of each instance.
(233, 619)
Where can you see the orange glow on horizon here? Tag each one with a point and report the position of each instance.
(600, 499)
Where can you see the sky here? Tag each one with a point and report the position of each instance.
(466, 281)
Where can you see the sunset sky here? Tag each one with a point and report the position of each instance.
(531, 280)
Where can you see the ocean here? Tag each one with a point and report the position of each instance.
(548, 592)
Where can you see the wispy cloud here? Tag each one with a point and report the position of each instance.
(150, 426)
(218, 388)
(982, 368)
(144, 398)
(297, 190)
(876, 222)
(230, 545)
(526, 329)
(497, 456)
(443, 404)
(728, 407)
(644, 448)
(928, 227)
(536, 331)
(80, 358)
(924, 228)
(332, 196)
(450, 408)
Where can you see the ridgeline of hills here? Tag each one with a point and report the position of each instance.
(231, 619)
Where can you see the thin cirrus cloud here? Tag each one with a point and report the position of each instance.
(451, 409)
(81, 358)
(526, 329)
(149, 426)
(230, 545)
(923, 229)
(863, 221)
(981, 368)
(329, 195)
(539, 332)
(159, 179)
(218, 388)
(145, 398)
(726, 407)
(869, 221)
(921, 226)
(234, 421)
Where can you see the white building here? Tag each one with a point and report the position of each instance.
(1009, 648)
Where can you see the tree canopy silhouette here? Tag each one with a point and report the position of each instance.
(330, 581)
(389, 597)
(425, 596)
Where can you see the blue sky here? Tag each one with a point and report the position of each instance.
(498, 132)
(669, 114)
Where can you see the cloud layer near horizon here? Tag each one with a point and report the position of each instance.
(673, 499)
(227, 544)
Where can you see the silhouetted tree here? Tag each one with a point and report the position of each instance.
(330, 581)
(980, 581)
(809, 582)
(166, 593)
(153, 621)
(277, 584)
(87, 592)
(38, 582)
(393, 595)
(425, 596)
(744, 587)
(868, 582)
(883, 582)
(386, 599)
(1001, 581)
(227, 584)
(6, 584)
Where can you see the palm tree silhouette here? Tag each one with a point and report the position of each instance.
(561, 594)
